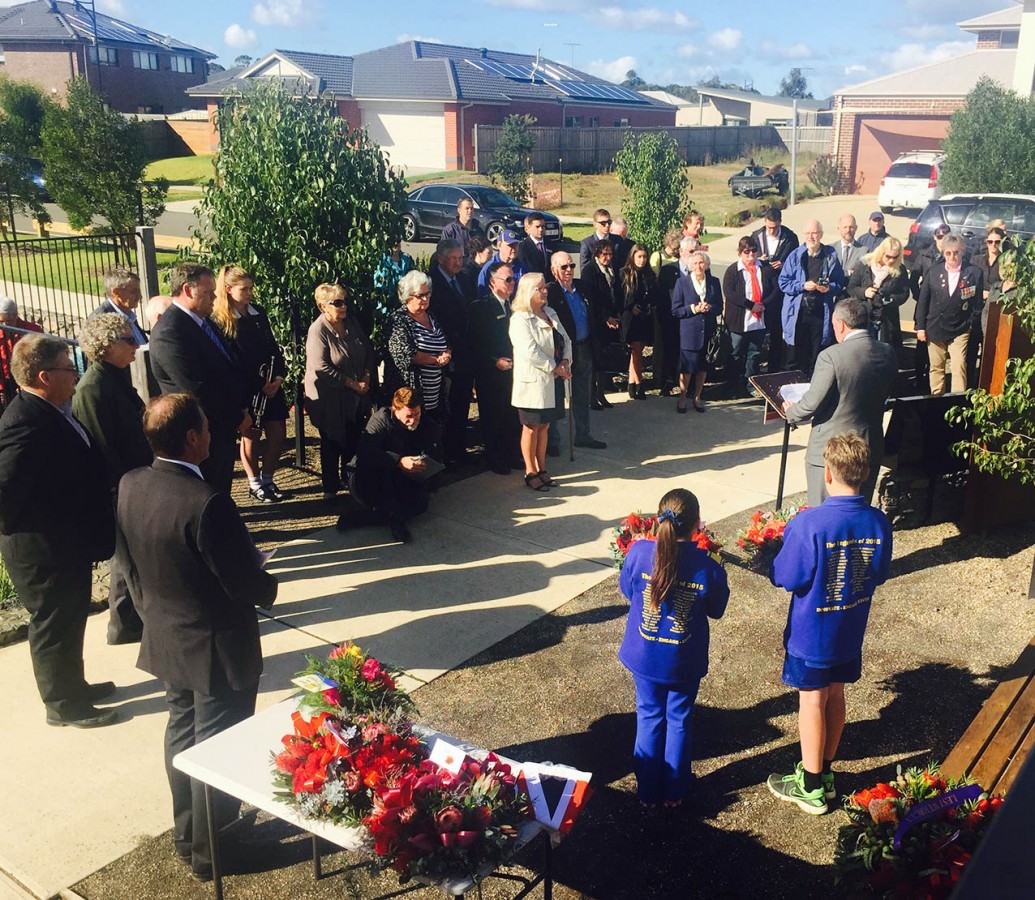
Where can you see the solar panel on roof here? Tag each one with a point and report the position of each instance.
(585, 90)
(506, 70)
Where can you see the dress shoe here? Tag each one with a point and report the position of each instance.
(605, 403)
(681, 405)
(553, 451)
(632, 391)
(399, 531)
(263, 494)
(592, 443)
(99, 691)
(596, 404)
(124, 636)
(641, 392)
(277, 493)
(84, 717)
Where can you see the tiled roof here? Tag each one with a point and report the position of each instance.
(953, 77)
(334, 72)
(42, 20)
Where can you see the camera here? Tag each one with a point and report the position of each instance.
(823, 281)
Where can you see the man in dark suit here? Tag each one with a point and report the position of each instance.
(123, 289)
(56, 520)
(622, 242)
(451, 299)
(775, 243)
(198, 578)
(494, 363)
(849, 251)
(950, 292)
(601, 232)
(568, 299)
(188, 356)
(852, 380)
(533, 254)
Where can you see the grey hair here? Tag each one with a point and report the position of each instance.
(707, 259)
(34, 353)
(689, 243)
(855, 313)
(8, 306)
(118, 278)
(100, 333)
(410, 283)
(953, 240)
(446, 245)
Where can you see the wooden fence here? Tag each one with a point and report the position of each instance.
(589, 150)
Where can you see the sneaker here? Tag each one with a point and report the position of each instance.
(263, 494)
(792, 788)
(271, 488)
(829, 790)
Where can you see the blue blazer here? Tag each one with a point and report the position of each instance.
(695, 328)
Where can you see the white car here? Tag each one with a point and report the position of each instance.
(912, 181)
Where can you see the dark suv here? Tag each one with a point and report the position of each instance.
(433, 206)
(967, 215)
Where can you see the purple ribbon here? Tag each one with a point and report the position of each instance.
(930, 808)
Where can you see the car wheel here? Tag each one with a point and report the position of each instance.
(886, 210)
(409, 228)
(493, 231)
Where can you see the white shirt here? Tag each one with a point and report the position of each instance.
(751, 322)
(954, 278)
(185, 464)
(198, 320)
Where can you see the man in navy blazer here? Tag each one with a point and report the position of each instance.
(198, 578)
(532, 252)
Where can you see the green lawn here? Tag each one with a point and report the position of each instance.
(193, 170)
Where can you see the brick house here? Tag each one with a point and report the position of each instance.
(135, 70)
(420, 101)
(877, 120)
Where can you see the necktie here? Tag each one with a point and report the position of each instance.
(542, 250)
(455, 287)
(756, 289)
(206, 326)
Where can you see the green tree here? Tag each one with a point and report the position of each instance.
(989, 148)
(795, 85)
(649, 168)
(510, 167)
(299, 198)
(22, 109)
(633, 81)
(94, 159)
(243, 60)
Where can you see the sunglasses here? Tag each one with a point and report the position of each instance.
(337, 304)
(567, 266)
(891, 256)
(603, 221)
(993, 243)
(129, 339)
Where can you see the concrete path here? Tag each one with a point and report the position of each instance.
(488, 558)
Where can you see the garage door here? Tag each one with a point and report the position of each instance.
(413, 135)
(881, 140)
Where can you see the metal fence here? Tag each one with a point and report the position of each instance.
(59, 281)
(589, 150)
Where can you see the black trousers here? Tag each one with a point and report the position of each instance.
(218, 469)
(193, 718)
(124, 624)
(335, 455)
(665, 360)
(808, 341)
(454, 440)
(501, 430)
(58, 601)
(389, 492)
(774, 326)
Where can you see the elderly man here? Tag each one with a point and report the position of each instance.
(9, 336)
(568, 299)
(494, 362)
(533, 254)
(849, 251)
(397, 454)
(507, 248)
(188, 355)
(123, 289)
(601, 232)
(56, 520)
(875, 234)
(810, 280)
(620, 239)
(157, 307)
(852, 381)
(948, 296)
(775, 243)
(199, 579)
(464, 227)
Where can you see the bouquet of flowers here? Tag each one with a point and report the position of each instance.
(351, 682)
(638, 526)
(912, 837)
(763, 537)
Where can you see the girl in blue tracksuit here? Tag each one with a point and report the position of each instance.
(673, 588)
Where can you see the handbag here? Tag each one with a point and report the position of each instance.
(720, 345)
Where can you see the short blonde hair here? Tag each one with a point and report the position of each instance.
(848, 458)
(526, 289)
(326, 292)
(888, 245)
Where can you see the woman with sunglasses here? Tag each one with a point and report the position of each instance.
(883, 282)
(339, 362)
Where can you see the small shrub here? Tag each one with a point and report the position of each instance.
(8, 596)
(824, 174)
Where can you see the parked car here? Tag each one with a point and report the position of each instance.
(967, 215)
(753, 181)
(431, 207)
(28, 170)
(912, 181)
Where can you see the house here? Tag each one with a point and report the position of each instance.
(135, 70)
(420, 101)
(726, 106)
(879, 119)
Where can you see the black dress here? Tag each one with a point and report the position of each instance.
(638, 328)
(258, 352)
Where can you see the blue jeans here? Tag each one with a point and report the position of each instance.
(664, 732)
(747, 351)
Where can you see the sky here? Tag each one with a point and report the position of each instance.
(663, 41)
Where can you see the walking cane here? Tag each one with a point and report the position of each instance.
(571, 421)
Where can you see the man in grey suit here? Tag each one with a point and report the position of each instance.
(852, 380)
(849, 251)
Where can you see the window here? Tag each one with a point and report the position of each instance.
(435, 194)
(143, 60)
(573, 121)
(184, 64)
(104, 56)
(594, 121)
(621, 123)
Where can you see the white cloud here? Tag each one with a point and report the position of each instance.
(647, 18)
(855, 69)
(726, 39)
(925, 31)
(687, 50)
(908, 56)
(112, 7)
(613, 70)
(403, 38)
(239, 37)
(283, 12)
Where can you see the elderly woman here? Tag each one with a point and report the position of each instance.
(883, 282)
(542, 363)
(8, 338)
(418, 351)
(696, 301)
(338, 365)
(640, 293)
(109, 407)
(247, 329)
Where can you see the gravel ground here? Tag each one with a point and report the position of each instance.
(941, 631)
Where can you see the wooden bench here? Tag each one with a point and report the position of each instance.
(995, 745)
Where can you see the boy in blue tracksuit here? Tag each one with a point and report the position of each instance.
(832, 559)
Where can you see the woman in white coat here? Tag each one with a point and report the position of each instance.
(542, 363)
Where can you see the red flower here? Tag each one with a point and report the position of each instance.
(371, 670)
(332, 696)
(449, 819)
(482, 816)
